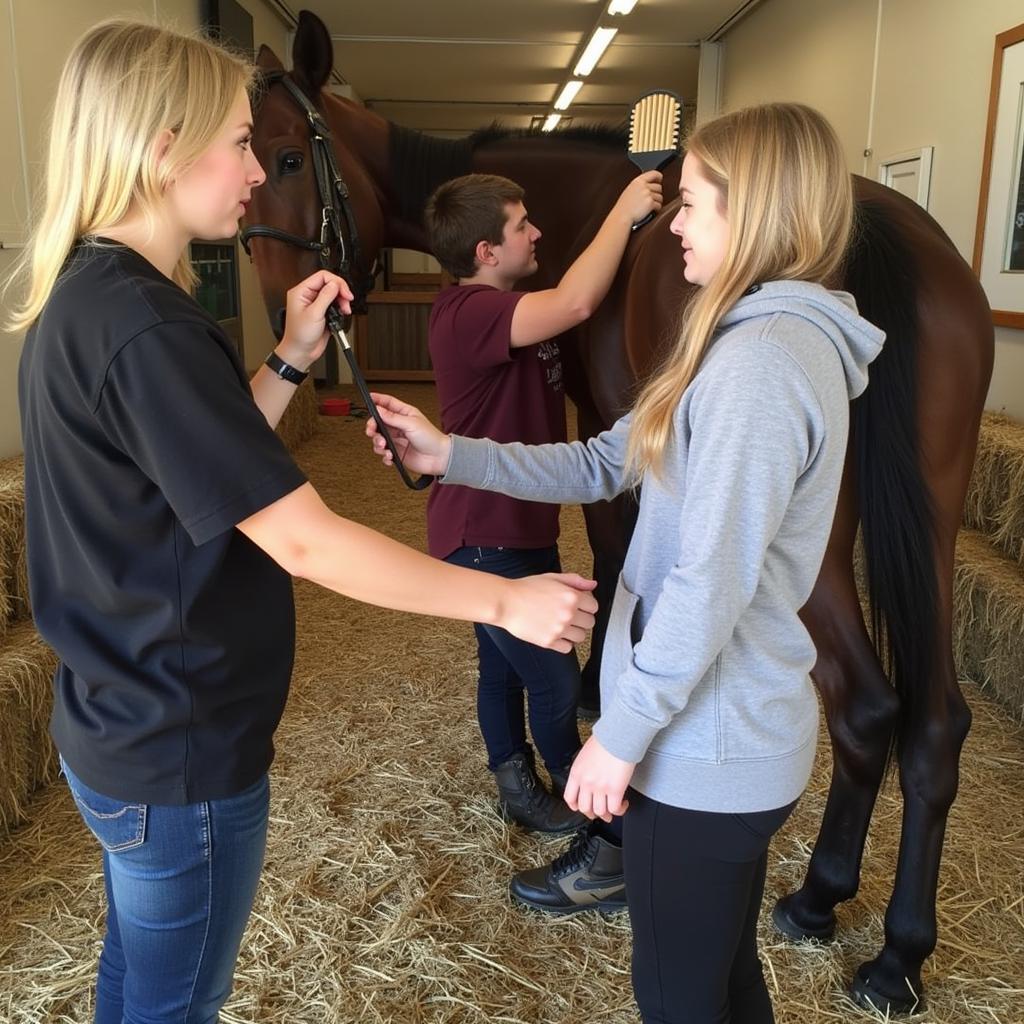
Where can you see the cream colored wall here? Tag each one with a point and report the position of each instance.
(406, 261)
(819, 53)
(934, 77)
(931, 89)
(13, 204)
(34, 41)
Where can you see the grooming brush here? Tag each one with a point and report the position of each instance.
(337, 329)
(655, 132)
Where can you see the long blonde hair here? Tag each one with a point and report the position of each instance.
(123, 84)
(783, 186)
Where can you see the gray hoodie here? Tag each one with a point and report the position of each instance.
(705, 669)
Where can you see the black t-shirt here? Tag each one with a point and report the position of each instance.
(143, 450)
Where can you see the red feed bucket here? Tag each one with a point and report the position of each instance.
(335, 407)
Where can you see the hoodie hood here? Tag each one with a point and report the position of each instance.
(856, 340)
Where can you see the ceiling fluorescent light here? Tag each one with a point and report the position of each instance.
(621, 6)
(550, 121)
(595, 48)
(568, 94)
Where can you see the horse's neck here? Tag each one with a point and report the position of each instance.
(570, 187)
(367, 137)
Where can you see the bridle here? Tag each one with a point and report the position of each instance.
(333, 193)
(334, 204)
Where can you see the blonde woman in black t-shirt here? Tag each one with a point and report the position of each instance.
(164, 517)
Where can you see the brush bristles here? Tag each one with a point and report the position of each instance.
(654, 123)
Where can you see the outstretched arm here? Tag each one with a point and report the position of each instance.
(308, 540)
(554, 473)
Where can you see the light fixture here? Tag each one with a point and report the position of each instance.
(595, 48)
(550, 121)
(568, 93)
(621, 6)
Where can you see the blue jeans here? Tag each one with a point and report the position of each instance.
(509, 666)
(180, 884)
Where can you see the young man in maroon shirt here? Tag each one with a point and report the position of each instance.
(499, 375)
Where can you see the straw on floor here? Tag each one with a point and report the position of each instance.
(384, 893)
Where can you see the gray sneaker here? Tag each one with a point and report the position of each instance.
(588, 876)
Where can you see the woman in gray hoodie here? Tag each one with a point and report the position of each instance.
(709, 718)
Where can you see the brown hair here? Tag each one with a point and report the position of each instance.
(465, 211)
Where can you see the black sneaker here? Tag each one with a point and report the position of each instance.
(588, 876)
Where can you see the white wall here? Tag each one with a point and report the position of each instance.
(34, 41)
(931, 88)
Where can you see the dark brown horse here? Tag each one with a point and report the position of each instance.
(913, 437)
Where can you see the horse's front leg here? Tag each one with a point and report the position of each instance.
(861, 711)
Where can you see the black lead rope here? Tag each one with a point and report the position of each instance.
(337, 330)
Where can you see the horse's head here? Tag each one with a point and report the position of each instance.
(301, 218)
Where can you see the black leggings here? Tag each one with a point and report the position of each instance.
(694, 883)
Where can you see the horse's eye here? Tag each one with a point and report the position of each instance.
(291, 163)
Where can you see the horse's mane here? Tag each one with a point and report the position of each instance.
(419, 163)
(598, 134)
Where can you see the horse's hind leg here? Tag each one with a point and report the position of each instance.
(934, 726)
(929, 774)
(861, 710)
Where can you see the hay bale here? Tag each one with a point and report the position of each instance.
(298, 424)
(995, 498)
(988, 620)
(14, 606)
(27, 756)
(384, 897)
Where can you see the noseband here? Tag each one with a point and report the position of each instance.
(333, 197)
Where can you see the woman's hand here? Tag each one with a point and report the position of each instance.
(553, 610)
(597, 782)
(305, 327)
(421, 446)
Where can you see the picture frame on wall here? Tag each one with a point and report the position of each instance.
(999, 235)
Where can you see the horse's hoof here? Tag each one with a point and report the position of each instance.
(785, 921)
(867, 996)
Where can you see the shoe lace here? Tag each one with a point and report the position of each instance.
(536, 794)
(575, 856)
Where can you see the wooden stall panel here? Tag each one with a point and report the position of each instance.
(391, 341)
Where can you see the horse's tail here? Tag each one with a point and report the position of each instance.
(895, 505)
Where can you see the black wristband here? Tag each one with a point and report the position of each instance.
(284, 370)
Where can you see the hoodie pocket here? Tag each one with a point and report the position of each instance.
(622, 633)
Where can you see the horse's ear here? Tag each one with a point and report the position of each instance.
(267, 60)
(312, 54)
